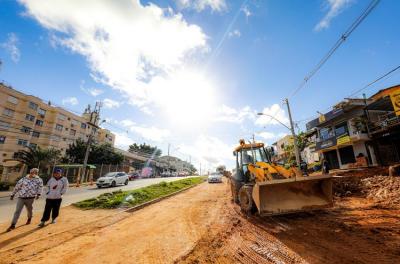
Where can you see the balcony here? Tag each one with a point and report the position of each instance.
(384, 123)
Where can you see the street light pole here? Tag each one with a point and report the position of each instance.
(296, 148)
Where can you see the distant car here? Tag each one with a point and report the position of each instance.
(113, 179)
(215, 177)
(133, 175)
(166, 174)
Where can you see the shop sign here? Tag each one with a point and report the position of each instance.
(343, 140)
(326, 143)
(395, 98)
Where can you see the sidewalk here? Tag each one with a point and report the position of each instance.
(4, 194)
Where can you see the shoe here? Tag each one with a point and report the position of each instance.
(53, 221)
(28, 222)
(41, 224)
(12, 227)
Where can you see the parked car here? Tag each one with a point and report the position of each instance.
(133, 175)
(214, 177)
(112, 179)
(166, 174)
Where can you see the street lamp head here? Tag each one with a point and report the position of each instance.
(260, 113)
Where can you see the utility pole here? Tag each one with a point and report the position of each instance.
(296, 148)
(93, 122)
(200, 168)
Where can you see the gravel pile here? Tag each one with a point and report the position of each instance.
(383, 190)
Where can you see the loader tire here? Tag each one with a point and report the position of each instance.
(246, 199)
(234, 192)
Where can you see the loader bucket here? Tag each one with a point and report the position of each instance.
(293, 195)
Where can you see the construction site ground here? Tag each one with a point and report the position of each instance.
(201, 225)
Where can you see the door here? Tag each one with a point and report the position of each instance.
(331, 157)
(347, 155)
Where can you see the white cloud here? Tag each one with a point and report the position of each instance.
(109, 103)
(11, 46)
(270, 135)
(247, 11)
(335, 7)
(151, 133)
(127, 123)
(94, 91)
(127, 44)
(200, 5)
(70, 101)
(276, 112)
(231, 115)
(207, 149)
(234, 33)
(122, 140)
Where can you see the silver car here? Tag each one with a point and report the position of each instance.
(112, 179)
(215, 177)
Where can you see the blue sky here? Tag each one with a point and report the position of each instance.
(194, 73)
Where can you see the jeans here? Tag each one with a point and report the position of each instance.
(52, 206)
(27, 202)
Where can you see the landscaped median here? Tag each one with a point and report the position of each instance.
(139, 196)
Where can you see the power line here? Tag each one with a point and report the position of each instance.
(359, 90)
(376, 80)
(338, 43)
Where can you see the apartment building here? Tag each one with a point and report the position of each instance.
(26, 120)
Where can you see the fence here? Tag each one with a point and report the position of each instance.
(72, 172)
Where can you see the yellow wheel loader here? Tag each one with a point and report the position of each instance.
(271, 189)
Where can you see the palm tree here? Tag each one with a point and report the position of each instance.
(38, 157)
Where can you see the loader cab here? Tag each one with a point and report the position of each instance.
(249, 154)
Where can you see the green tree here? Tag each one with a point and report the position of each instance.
(145, 149)
(104, 154)
(99, 154)
(75, 152)
(38, 157)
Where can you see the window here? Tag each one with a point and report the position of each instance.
(2, 139)
(61, 117)
(74, 122)
(59, 127)
(33, 106)
(55, 138)
(8, 112)
(35, 134)
(22, 142)
(41, 112)
(72, 132)
(4, 125)
(39, 122)
(29, 117)
(25, 129)
(33, 145)
(326, 132)
(12, 100)
(341, 129)
(83, 125)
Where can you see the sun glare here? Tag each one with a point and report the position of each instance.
(189, 99)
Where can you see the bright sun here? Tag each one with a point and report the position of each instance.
(189, 99)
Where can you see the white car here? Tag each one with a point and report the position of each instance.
(112, 179)
(214, 177)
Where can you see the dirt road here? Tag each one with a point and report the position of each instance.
(201, 225)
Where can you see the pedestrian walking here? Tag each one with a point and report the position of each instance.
(27, 189)
(56, 187)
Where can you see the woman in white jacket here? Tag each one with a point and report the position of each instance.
(56, 187)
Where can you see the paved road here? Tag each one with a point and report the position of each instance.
(73, 195)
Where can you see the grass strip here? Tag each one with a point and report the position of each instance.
(136, 197)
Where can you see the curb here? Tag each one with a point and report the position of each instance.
(140, 206)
